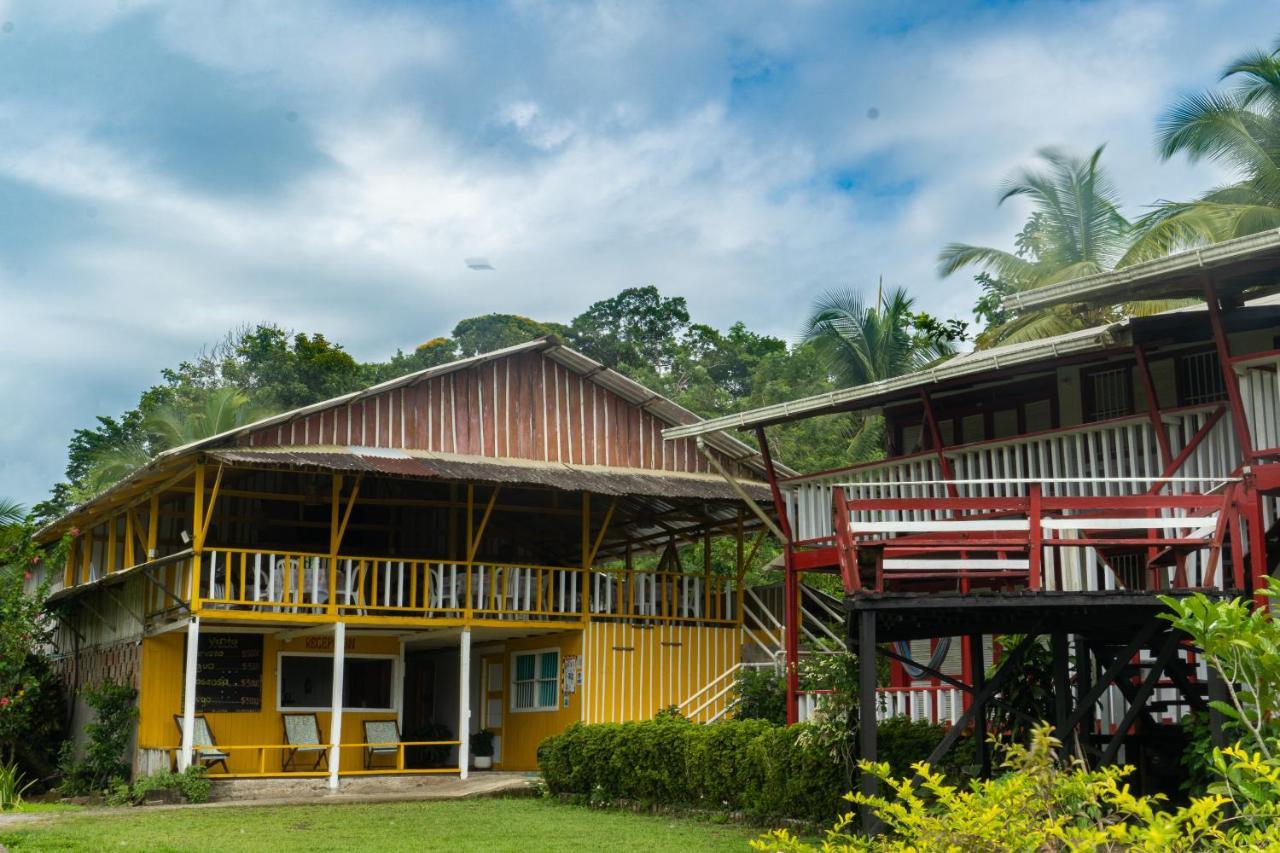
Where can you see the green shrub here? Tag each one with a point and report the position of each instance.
(768, 771)
(762, 695)
(192, 784)
(104, 766)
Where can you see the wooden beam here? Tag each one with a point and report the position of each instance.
(1153, 405)
(1138, 702)
(213, 499)
(346, 514)
(604, 528)
(778, 531)
(484, 522)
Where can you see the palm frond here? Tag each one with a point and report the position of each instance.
(11, 512)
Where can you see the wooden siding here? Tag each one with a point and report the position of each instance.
(523, 406)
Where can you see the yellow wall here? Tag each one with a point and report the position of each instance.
(522, 731)
(161, 698)
(633, 671)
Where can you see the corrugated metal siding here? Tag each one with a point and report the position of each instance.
(631, 671)
(524, 406)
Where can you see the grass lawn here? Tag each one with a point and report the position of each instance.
(488, 825)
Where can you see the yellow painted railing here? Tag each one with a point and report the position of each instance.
(316, 585)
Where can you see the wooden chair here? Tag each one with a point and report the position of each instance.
(381, 732)
(204, 749)
(302, 734)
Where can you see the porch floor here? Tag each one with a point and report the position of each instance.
(369, 789)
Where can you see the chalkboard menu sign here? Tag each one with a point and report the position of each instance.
(229, 673)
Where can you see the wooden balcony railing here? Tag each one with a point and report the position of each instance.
(311, 586)
(1115, 457)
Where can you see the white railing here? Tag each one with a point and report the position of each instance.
(303, 583)
(1108, 451)
(929, 703)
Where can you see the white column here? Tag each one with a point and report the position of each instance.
(189, 694)
(464, 701)
(335, 702)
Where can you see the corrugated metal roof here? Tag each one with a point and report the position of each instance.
(1083, 341)
(628, 389)
(1234, 265)
(597, 479)
(966, 364)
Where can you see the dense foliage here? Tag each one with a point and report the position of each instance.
(767, 771)
(264, 369)
(103, 766)
(1042, 803)
(31, 706)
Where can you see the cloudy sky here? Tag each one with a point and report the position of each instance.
(169, 171)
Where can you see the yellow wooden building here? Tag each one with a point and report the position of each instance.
(489, 544)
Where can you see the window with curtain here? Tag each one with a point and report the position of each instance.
(535, 681)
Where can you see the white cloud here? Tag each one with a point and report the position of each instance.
(582, 149)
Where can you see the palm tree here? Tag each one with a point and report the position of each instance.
(862, 344)
(1075, 229)
(1239, 128)
(170, 426)
(224, 409)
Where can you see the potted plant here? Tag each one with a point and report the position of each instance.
(482, 749)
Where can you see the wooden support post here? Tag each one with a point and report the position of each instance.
(1084, 683)
(866, 628)
(335, 523)
(464, 701)
(197, 545)
(109, 556)
(335, 702)
(129, 556)
(153, 525)
(586, 556)
(1256, 531)
(791, 632)
(1061, 681)
(1230, 379)
(471, 508)
(86, 556)
(189, 693)
(981, 749)
(1035, 537)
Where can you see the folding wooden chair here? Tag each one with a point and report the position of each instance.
(204, 749)
(381, 732)
(302, 734)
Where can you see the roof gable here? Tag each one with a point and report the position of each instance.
(538, 401)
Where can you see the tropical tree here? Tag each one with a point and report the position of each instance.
(1075, 229)
(167, 426)
(862, 343)
(1238, 127)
